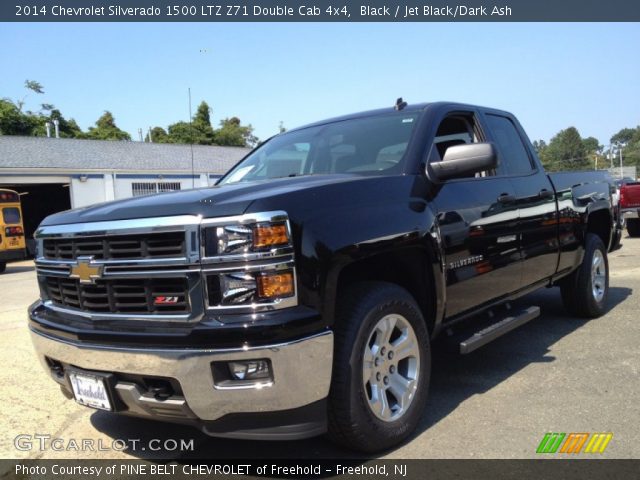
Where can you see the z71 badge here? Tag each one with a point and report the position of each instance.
(165, 300)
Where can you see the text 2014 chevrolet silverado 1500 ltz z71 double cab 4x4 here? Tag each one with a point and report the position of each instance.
(300, 295)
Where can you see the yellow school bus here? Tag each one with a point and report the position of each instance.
(12, 244)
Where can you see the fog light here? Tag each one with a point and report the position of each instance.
(237, 288)
(275, 285)
(250, 370)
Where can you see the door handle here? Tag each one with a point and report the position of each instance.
(544, 193)
(506, 198)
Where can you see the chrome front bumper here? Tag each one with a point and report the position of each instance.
(301, 374)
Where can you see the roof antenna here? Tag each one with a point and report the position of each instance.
(400, 104)
(193, 172)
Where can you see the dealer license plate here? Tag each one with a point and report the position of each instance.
(90, 390)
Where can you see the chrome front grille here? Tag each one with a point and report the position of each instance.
(145, 246)
(122, 296)
(142, 269)
(153, 269)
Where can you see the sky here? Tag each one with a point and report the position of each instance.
(550, 75)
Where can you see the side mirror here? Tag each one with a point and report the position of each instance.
(462, 160)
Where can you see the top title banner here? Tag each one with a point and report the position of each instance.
(319, 11)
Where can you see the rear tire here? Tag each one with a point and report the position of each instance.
(3, 266)
(381, 367)
(633, 227)
(585, 291)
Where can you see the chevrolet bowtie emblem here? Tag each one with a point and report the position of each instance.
(85, 271)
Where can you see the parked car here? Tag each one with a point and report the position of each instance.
(630, 205)
(619, 219)
(302, 293)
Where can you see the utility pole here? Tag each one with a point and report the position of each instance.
(611, 155)
(621, 169)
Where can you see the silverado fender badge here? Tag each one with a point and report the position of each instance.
(84, 271)
(464, 262)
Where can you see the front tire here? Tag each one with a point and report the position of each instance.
(585, 291)
(633, 227)
(3, 266)
(381, 367)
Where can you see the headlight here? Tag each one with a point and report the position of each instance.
(236, 288)
(249, 262)
(229, 239)
(250, 288)
(242, 239)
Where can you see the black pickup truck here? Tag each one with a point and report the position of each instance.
(301, 294)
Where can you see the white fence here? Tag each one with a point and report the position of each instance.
(617, 172)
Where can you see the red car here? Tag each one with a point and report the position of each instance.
(630, 206)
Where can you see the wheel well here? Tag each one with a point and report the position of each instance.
(600, 223)
(408, 268)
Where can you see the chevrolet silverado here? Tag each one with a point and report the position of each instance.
(301, 294)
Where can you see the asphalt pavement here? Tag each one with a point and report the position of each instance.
(554, 374)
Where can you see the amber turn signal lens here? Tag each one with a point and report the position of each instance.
(269, 235)
(275, 285)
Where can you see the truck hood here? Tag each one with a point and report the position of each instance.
(216, 201)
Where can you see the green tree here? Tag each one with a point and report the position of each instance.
(594, 151)
(539, 145)
(566, 151)
(13, 121)
(158, 135)
(202, 117)
(233, 133)
(67, 128)
(106, 129)
(624, 136)
(542, 149)
(199, 131)
(34, 86)
(591, 145)
(628, 140)
(203, 131)
(181, 132)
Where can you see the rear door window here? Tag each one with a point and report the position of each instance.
(514, 153)
(11, 215)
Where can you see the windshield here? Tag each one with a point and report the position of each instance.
(364, 146)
